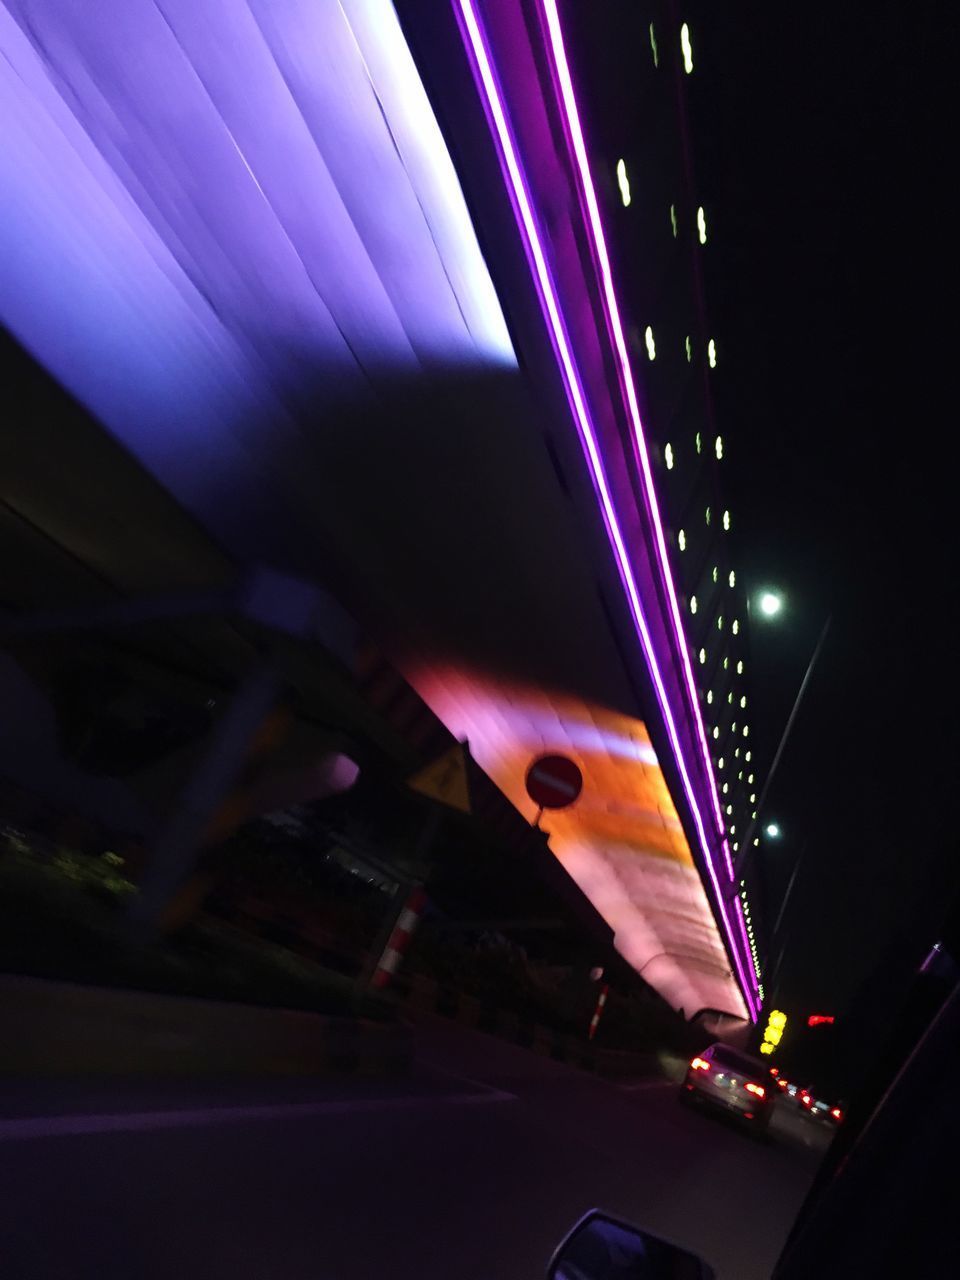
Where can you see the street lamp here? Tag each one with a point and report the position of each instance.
(772, 830)
(771, 603)
(747, 840)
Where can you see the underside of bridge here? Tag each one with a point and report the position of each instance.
(335, 277)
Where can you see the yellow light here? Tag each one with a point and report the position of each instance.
(747, 757)
(673, 224)
(653, 46)
(708, 515)
(682, 540)
(651, 345)
(743, 701)
(702, 225)
(726, 520)
(740, 667)
(689, 350)
(712, 354)
(668, 456)
(726, 787)
(766, 1048)
(773, 1035)
(709, 697)
(719, 621)
(703, 656)
(720, 763)
(699, 442)
(693, 604)
(623, 182)
(736, 627)
(777, 1018)
(716, 731)
(686, 48)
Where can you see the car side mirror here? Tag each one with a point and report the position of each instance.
(601, 1248)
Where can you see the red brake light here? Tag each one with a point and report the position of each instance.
(837, 1113)
(700, 1064)
(774, 1071)
(758, 1089)
(805, 1099)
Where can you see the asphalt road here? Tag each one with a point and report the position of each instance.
(469, 1170)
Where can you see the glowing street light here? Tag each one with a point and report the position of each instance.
(771, 603)
(772, 831)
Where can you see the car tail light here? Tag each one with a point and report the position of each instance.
(748, 1115)
(700, 1064)
(758, 1089)
(837, 1113)
(782, 1084)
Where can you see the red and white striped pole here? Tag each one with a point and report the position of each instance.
(601, 1001)
(399, 939)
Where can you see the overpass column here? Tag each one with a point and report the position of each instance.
(199, 809)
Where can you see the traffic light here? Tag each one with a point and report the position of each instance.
(773, 1032)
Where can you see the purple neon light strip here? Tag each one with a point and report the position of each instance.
(588, 438)
(613, 314)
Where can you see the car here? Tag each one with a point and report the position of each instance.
(728, 1080)
(822, 1111)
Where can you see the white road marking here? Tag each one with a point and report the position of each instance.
(25, 1128)
(646, 1084)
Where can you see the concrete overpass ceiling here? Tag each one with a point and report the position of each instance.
(241, 244)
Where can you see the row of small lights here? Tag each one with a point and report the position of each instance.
(687, 51)
(686, 47)
(651, 344)
(670, 462)
(624, 184)
(750, 934)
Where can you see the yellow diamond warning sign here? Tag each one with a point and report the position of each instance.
(445, 779)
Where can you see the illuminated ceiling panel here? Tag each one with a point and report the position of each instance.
(622, 841)
(214, 214)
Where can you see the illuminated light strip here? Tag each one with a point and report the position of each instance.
(521, 201)
(613, 316)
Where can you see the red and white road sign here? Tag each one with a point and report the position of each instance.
(553, 782)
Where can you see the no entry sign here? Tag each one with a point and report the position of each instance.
(553, 782)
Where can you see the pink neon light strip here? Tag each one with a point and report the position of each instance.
(574, 392)
(613, 315)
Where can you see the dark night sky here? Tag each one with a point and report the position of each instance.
(833, 281)
(824, 153)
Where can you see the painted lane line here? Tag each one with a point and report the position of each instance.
(26, 1128)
